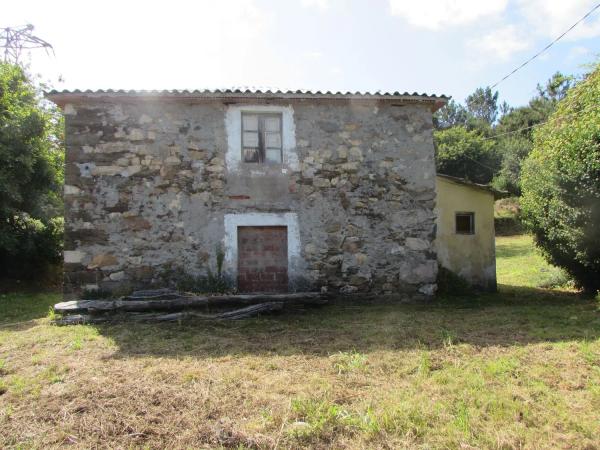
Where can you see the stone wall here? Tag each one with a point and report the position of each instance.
(147, 187)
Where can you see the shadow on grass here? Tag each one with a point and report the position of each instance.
(513, 316)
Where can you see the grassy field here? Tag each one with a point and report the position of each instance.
(517, 369)
(519, 264)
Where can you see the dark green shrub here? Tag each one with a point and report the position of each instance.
(559, 279)
(507, 217)
(561, 185)
(508, 226)
(30, 247)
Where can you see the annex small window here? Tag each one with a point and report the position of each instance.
(261, 138)
(465, 223)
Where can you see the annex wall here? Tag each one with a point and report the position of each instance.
(472, 256)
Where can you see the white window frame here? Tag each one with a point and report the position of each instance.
(233, 128)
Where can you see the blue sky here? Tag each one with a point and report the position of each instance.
(435, 46)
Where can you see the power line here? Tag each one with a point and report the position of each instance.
(551, 119)
(547, 46)
(480, 163)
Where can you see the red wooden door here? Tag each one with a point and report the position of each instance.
(262, 259)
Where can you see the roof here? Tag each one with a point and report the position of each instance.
(486, 187)
(65, 96)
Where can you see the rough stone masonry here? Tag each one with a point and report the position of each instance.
(157, 180)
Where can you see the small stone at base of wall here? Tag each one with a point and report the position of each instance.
(348, 289)
(428, 289)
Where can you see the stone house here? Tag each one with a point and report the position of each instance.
(298, 190)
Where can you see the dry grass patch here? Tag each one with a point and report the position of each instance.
(511, 370)
(517, 369)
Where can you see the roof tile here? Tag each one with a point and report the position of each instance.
(245, 91)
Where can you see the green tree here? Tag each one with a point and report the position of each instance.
(522, 120)
(482, 106)
(513, 149)
(480, 112)
(31, 161)
(515, 130)
(466, 154)
(561, 184)
(556, 87)
(451, 115)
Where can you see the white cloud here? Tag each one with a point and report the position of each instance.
(550, 18)
(501, 43)
(578, 51)
(434, 14)
(530, 24)
(315, 54)
(541, 21)
(322, 5)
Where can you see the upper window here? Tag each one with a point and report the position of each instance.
(465, 223)
(261, 138)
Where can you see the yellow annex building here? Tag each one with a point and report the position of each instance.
(465, 239)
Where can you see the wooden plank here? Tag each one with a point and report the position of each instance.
(183, 302)
(242, 313)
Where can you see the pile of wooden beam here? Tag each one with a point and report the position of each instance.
(164, 305)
